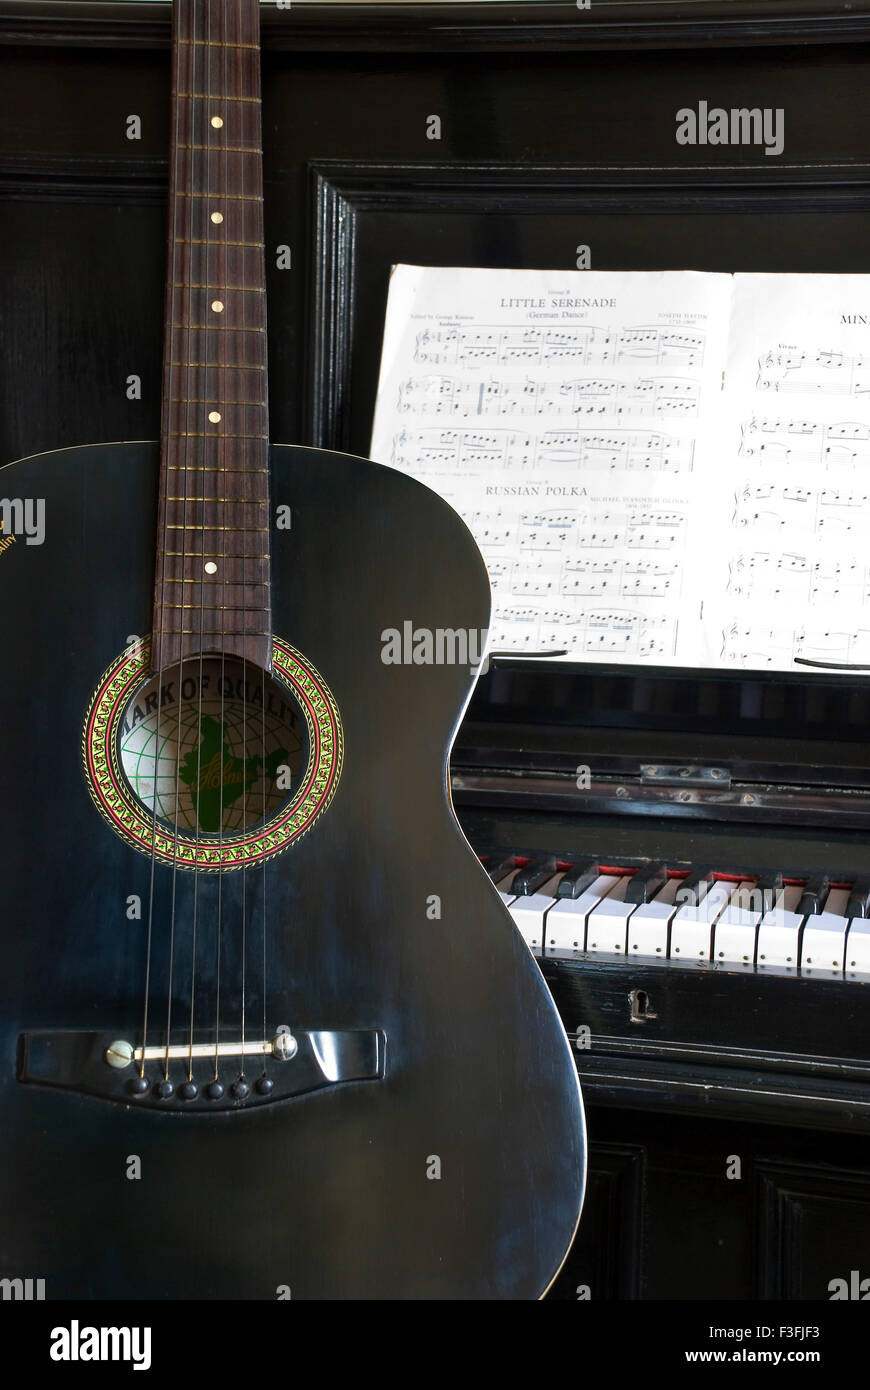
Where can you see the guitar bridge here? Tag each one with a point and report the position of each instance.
(181, 1076)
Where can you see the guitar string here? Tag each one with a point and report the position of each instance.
(168, 378)
(187, 470)
(222, 261)
(203, 447)
(244, 667)
(260, 230)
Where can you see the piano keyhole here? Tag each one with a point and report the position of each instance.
(640, 1009)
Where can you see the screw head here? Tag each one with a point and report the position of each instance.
(284, 1046)
(119, 1054)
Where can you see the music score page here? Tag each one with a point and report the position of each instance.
(654, 464)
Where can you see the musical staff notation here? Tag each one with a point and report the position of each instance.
(779, 442)
(799, 578)
(818, 371)
(575, 576)
(578, 529)
(582, 345)
(587, 632)
(425, 451)
(764, 646)
(826, 513)
(601, 396)
(666, 465)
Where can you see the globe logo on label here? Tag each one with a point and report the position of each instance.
(212, 748)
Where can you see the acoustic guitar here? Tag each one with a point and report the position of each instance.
(268, 1030)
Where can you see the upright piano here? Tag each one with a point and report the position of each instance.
(686, 854)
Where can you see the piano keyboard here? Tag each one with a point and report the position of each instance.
(685, 916)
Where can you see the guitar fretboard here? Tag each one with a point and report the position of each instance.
(212, 581)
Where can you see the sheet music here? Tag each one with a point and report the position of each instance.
(793, 575)
(560, 413)
(659, 467)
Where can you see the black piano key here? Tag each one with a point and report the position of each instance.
(498, 864)
(694, 888)
(769, 886)
(644, 885)
(858, 904)
(578, 878)
(812, 899)
(530, 879)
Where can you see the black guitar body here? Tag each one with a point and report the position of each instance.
(457, 1170)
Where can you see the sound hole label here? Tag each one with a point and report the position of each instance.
(214, 747)
(220, 767)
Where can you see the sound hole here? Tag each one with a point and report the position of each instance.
(214, 747)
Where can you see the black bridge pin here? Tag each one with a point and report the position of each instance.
(189, 1091)
(138, 1086)
(264, 1085)
(240, 1088)
(164, 1089)
(214, 1090)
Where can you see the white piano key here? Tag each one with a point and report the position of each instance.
(648, 927)
(566, 920)
(858, 948)
(692, 927)
(779, 933)
(606, 924)
(735, 931)
(823, 943)
(529, 911)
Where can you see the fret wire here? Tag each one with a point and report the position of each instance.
(232, 197)
(211, 468)
(214, 555)
(216, 327)
(225, 366)
(195, 526)
(223, 149)
(248, 583)
(208, 400)
(218, 43)
(244, 289)
(221, 607)
(218, 434)
(202, 501)
(213, 96)
(227, 632)
(207, 241)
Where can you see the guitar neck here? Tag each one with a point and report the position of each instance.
(212, 589)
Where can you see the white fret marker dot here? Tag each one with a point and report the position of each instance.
(210, 567)
(217, 217)
(217, 306)
(214, 416)
(217, 122)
